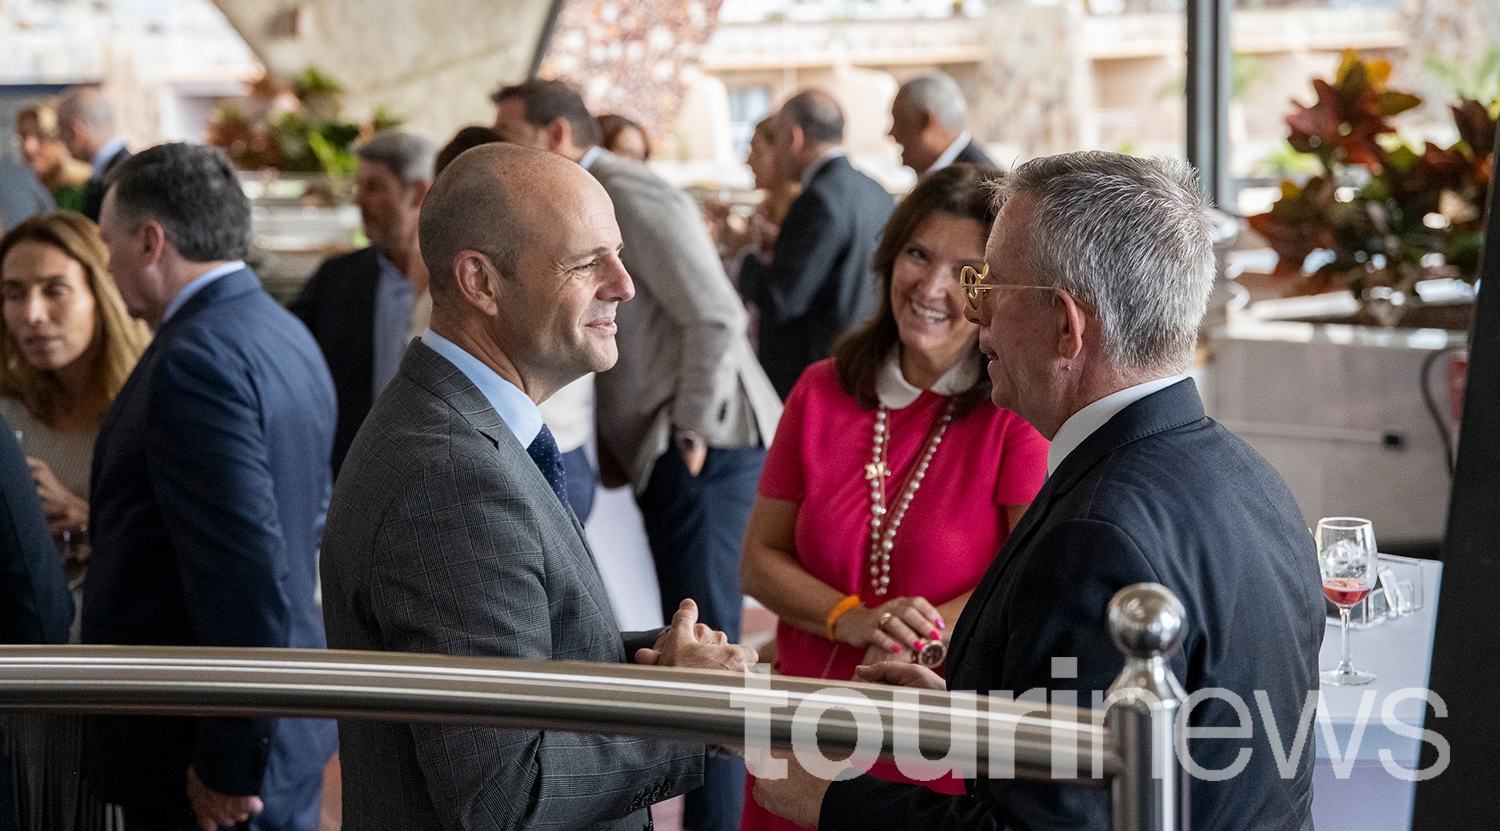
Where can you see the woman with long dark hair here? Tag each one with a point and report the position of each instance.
(893, 480)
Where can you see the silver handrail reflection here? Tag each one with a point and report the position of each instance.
(1054, 742)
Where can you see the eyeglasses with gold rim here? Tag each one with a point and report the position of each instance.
(973, 284)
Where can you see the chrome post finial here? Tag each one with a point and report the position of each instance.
(1146, 622)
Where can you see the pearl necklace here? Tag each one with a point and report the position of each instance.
(885, 521)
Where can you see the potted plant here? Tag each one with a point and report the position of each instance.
(1379, 215)
(296, 129)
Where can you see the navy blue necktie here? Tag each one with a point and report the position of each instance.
(543, 450)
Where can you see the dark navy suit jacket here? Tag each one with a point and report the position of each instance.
(210, 488)
(35, 606)
(338, 305)
(971, 154)
(818, 284)
(93, 192)
(1160, 493)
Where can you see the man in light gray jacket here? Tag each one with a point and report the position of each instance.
(687, 413)
(448, 532)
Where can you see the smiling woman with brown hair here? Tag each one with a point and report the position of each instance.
(893, 480)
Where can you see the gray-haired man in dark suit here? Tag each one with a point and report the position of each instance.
(448, 532)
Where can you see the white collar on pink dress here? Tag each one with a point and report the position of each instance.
(895, 392)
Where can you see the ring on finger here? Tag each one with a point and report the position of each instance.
(883, 618)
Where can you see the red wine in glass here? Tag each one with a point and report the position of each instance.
(1345, 592)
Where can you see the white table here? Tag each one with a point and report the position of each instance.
(1354, 791)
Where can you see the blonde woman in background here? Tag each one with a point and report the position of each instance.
(67, 345)
(44, 152)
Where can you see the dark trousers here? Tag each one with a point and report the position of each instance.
(696, 528)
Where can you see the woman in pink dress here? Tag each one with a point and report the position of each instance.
(892, 481)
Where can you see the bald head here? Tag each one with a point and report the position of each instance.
(524, 256)
(85, 121)
(818, 114)
(936, 93)
(483, 202)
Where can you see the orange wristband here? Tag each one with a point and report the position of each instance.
(838, 611)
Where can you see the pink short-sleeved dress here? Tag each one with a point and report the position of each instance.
(949, 535)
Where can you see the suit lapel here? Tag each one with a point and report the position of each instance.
(1175, 406)
(974, 610)
(437, 375)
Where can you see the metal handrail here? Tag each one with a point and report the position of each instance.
(1058, 742)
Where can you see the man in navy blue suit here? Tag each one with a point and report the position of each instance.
(210, 486)
(1098, 272)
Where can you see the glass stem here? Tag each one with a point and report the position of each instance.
(1344, 665)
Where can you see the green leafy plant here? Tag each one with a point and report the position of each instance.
(1478, 80)
(310, 137)
(1378, 208)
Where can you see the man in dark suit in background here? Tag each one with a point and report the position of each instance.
(86, 125)
(361, 306)
(816, 284)
(449, 531)
(929, 119)
(35, 606)
(210, 486)
(1099, 271)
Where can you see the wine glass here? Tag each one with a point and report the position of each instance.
(1348, 560)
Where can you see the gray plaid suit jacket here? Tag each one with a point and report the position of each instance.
(443, 537)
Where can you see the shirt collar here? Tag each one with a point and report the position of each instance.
(1086, 421)
(518, 411)
(387, 267)
(895, 392)
(590, 156)
(812, 170)
(106, 151)
(198, 284)
(952, 152)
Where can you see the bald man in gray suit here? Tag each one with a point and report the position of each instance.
(448, 532)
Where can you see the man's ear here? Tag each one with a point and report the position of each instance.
(799, 140)
(472, 271)
(153, 241)
(419, 189)
(1071, 325)
(560, 135)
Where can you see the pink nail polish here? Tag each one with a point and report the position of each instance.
(941, 624)
(896, 648)
(936, 635)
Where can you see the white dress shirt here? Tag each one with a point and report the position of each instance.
(896, 393)
(952, 152)
(1083, 423)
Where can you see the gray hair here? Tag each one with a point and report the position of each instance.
(87, 105)
(194, 192)
(937, 93)
(1129, 238)
(410, 156)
